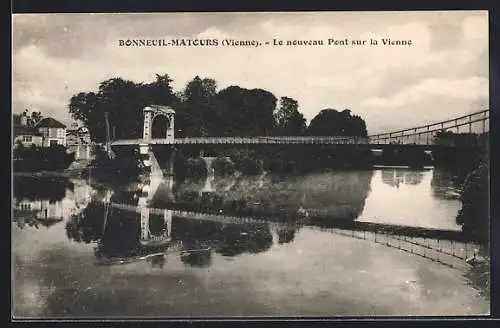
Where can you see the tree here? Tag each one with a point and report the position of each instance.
(444, 137)
(197, 113)
(289, 121)
(31, 118)
(124, 101)
(474, 214)
(330, 122)
(245, 112)
(35, 118)
(84, 107)
(160, 92)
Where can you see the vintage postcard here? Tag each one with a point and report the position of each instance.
(209, 165)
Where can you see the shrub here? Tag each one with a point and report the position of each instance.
(190, 168)
(474, 215)
(41, 158)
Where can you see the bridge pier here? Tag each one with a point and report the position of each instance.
(150, 160)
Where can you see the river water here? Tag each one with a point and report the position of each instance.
(237, 247)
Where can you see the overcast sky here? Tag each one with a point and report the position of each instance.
(442, 75)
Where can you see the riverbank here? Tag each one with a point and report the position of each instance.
(42, 174)
(59, 174)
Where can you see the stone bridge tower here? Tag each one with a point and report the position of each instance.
(153, 112)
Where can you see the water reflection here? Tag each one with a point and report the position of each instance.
(286, 235)
(443, 185)
(214, 266)
(394, 177)
(411, 198)
(319, 198)
(337, 195)
(46, 201)
(323, 200)
(127, 234)
(121, 235)
(31, 188)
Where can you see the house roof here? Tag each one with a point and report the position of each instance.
(25, 130)
(49, 122)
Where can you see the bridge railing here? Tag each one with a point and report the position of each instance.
(273, 140)
(477, 122)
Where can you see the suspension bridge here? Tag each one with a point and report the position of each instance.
(421, 138)
(476, 122)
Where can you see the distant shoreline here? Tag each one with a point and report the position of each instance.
(73, 173)
(45, 174)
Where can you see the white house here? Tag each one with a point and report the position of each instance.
(53, 131)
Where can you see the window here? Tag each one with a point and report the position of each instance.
(53, 143)
(27, 139)
(44, 131)
(25, 206)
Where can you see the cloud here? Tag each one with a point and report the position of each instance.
(466, 89)
(58, 55)
(428, 101)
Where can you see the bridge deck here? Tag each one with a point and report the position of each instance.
(245, 140)
(260, 141)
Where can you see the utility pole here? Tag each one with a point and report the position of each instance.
(108, 136)
(108, 140)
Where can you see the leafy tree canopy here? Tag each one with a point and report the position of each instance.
(203, 110)
(330, 122)
(124, 101)
(289, 121)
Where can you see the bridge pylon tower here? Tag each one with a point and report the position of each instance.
(151, 112)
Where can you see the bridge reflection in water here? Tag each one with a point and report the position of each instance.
(437, 245)
(196, 229)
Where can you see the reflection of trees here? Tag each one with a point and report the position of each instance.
(38, 188)
(121, 234)
(413, 177)
(396, 177)
(229, 240)
(156, 224)
(442, 182)
(339, 195)
(225, 182)
(126, 196)
(86, 226)
(198, 258)
(251, 238)
(158, 261)
(286, 235)
(197, 238)
(23, 220)
(120, 238)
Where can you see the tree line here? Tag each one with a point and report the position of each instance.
(32, 118)
(203, 110)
